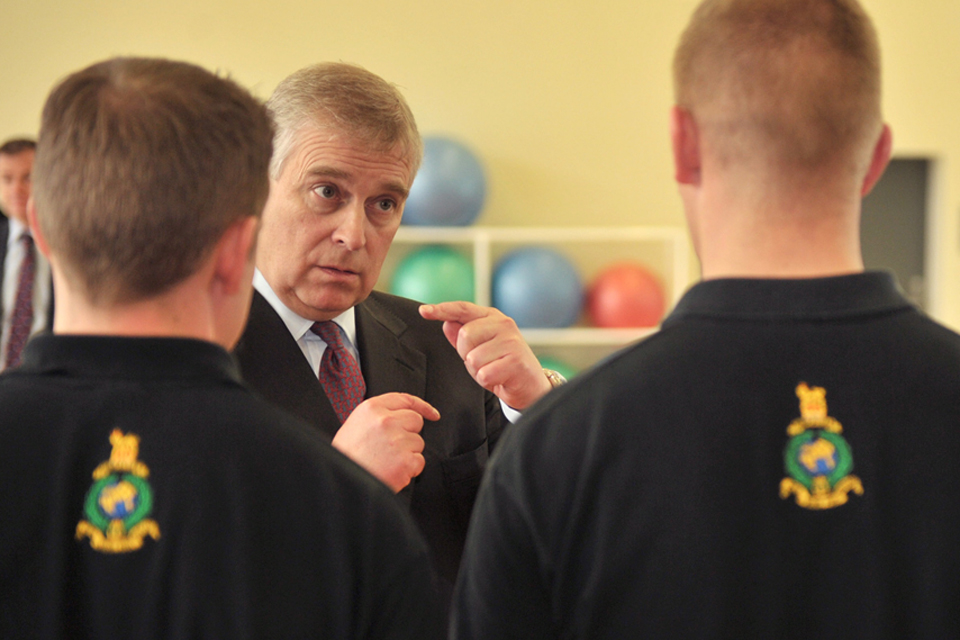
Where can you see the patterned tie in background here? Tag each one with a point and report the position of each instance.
(339, 372)
(22, 320)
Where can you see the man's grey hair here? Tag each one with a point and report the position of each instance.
(348, 99)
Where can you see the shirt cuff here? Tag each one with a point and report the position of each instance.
(511, 414)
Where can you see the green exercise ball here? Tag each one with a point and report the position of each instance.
(434, 274)
(559, 366)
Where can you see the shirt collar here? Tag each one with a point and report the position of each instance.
(297, 325)
(16, 230)
(814, 298)
(132, 358)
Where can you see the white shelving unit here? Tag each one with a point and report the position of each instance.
(664, 250)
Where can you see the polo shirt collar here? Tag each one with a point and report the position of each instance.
(128, 358)
(828, 298)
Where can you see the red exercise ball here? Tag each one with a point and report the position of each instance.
(625, 295)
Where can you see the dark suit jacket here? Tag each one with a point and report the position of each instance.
(399, 351)
(4, 235)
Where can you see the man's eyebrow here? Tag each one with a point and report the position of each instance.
(397, 187)
(327, 172)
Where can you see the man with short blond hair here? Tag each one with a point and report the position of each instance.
(779, 461)
(149, 494)
(26, 293)
(416, 403)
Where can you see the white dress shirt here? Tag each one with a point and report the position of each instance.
(11, 278)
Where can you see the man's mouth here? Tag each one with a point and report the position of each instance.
(338, 270)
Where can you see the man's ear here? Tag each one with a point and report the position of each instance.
(879, 160)
(686, 146)
(234, 254)
(38, 238)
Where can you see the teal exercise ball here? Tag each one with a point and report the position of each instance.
(434, 274)
(450, 187)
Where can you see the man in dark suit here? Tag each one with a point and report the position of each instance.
(346, 152)
(26, 292)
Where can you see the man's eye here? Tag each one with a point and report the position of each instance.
(326, 191)
(386, 205)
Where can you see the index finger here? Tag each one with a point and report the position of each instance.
(397, 401)
(458, 311)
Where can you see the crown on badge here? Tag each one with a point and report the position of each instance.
(813, 411)
(813, 401)
(123, 456)
(125, 448)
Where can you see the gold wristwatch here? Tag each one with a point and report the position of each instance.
(554, 377)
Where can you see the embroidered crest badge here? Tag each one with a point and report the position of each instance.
(818, 460)
(118, 503)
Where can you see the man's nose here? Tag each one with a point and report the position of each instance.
(350, 232)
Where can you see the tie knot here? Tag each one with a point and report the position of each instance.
(27, 239)
(329, 332)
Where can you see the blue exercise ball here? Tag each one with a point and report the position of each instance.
(538, 287)
(450, 187)
(434, 274)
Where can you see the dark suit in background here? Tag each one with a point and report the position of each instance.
(4, 238)
(399, 351)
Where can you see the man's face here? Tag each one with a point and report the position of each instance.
(329, 222)
(15, 183)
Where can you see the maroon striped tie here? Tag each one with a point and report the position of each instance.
(22, 320)
(339, 372)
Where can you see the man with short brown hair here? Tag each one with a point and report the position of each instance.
(26, 292)
(148, 493)
(779, 461)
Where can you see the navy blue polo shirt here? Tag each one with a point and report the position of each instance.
(779, 461)
(148, 494)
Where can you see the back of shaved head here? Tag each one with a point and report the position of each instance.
(793, 84)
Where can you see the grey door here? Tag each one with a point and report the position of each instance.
(893, 231)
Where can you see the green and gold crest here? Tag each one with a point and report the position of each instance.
(817, 459)
(118, 503)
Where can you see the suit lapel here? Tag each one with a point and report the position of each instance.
(387, 362)
(273, 364)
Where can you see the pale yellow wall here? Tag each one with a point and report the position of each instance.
(565, 100)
